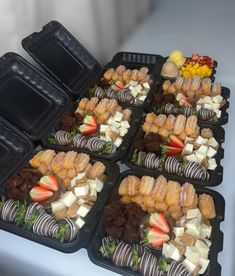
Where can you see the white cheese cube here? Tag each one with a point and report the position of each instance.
(57, 206)
(134, 93)
(198, 107)
(189, 140)
(207, 106)
(146, 85)
(165, 248)
(93, 192)
(110, 121)
(142, 98)
(200, 157)
(103, 128)
(200, 101)
(68, 199)
(118, 142)
(81, 191)
(211, 152)
(77, 177)
(200, 140)
(114, 129)
(116, 124)
(204, 264)
(194, 213)
(208, 100)
(189, 265)
(80, 222)
(212, 165)
(218, 113)
(191, 157)
(83, 210)
(202, 248)
(134, 83)
(192, 254)
(213, 143)
(179, 231)
(98, 185)
(173, 252)
(81, 201)
(193, 226)
(123, 131)
(217, 99)
(215, 106)
(118, 116)
(125, 124)
(205, 230)
(203, 149)
(188, 149)
(132, 88)
(139, 87)
(208, 242)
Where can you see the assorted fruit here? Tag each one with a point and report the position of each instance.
(95, 125)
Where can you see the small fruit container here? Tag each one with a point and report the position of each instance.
(209, 104)
(108, 246)
(130, 78)
(158, 146)
(91, 131)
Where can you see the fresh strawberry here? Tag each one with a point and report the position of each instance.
(174, 141)
(156, 237)
(195, 57)
(157, 220)
(49, 182)
(87, 129)
(181, 96)
(90, 120)
(38, 193)
(168, 150)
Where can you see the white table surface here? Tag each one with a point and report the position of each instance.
(206, 27)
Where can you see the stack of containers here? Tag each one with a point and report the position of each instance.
(32, 105)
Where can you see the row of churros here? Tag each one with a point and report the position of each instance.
(164, 125)
(67, 165)
(165, 195)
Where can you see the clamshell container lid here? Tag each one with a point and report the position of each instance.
(28, 99)
(15, 148)
(63, 57)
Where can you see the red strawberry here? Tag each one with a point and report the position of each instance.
(90, 120)
(168, 150)
(174, 141)
(195, 57)
(157, 220)
(182, 96)
(156, 237)
(38, 193)
(87, 129)
(49, 182)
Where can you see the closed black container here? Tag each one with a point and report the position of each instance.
(216, 237)
(216, 176)
(112, 172)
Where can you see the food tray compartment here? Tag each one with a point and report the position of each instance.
(112, 172)
(121, 151)
(216, 237)
(28, 100)
(53, 46)
(216, 176)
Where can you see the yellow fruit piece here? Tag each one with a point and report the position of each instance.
(196, 65)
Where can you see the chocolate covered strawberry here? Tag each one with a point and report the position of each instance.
(158, 220)
(48, 182)
(66, 231)
(38, 193)
(9, 210)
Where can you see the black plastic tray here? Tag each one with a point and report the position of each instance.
(63, 57)
(216, 176)
(82, 241)
(15, 148)
(216, 238)
(121, 151)
(28, 99)
(225, 93)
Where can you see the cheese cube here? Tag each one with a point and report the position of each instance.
(208, 100)
(98, 185)
(93, 192)
(192, 254)
(165, 248)
(83, 210)
(114, 129)
(179, 231)
(215, 106)
(189, 140)
(203, 149)
(198, 107)
(134, 93)
(77, 177)
(69, 198)
(118, 116)
(125, 124)
(212, 165)
(81, 201)
(202, 248)
(204, 264)
(146, 85)
(211, 152)
(218, 113)
(82, 190)
(139, 87)
(191, 157)
(142, 98)
(217, 99)
(200, 140)
(207, 106)
(103, 128)
(193, 226)
(208, 242)
(188, 149)
(116, 124)
(173, 252)
(132, 88)
(80, 222)
(205, 230)
(57, 206)
(123, 131)
(200, 101)
(213, 143)
(189, 265)
(200, 157)
(118, 142)
(194, 213)
(110, 121)
(134, 83)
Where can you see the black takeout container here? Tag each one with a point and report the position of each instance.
(216, 238)
(82, 241)
(216, 176)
